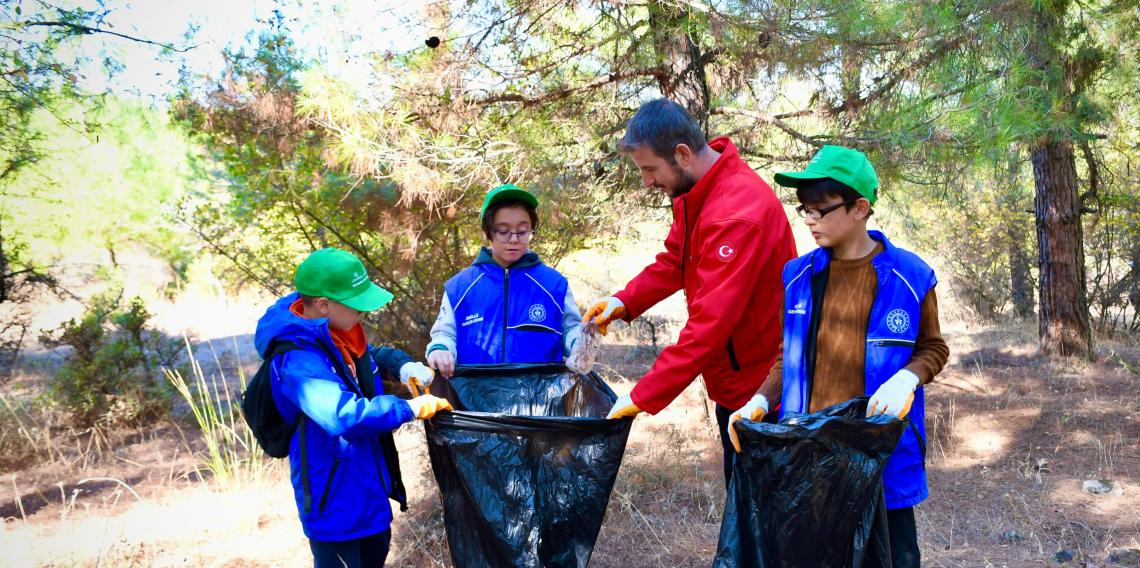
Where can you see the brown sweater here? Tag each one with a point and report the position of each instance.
(841, 341)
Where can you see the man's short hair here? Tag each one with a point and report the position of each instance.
(489, 215)
(819, 190)
(661, 125)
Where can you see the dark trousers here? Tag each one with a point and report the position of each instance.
(904, 538)
(722, 414)
(365, 552)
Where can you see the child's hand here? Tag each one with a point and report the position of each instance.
(416, 376)
(443, 361)
(894, 396)
(426, 406)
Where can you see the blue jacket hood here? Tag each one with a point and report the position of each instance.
(280, 323)
(529, 258)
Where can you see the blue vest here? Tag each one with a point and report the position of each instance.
(903, 281)
(511, 315)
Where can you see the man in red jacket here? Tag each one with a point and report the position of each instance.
(726, 248)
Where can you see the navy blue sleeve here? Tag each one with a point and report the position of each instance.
(389, 359)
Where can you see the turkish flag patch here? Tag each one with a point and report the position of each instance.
(725, 252)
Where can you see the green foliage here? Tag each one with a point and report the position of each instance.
(111, 376)
(115, 187)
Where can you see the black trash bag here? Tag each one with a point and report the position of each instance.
(808, 492)
(525, 464)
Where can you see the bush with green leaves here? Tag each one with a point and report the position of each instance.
(112, 376)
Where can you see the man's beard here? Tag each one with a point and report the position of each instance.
(685, 183)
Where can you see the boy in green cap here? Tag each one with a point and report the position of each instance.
(860, 318)
(325, 380)
(507, 307)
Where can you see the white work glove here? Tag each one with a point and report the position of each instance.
(624, 408)
(603, 312)
(894, 396)
(416, 376)
(754, 410)
(443, 361)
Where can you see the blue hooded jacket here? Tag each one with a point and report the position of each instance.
(903, 282)
(508, 315)
(337, 460)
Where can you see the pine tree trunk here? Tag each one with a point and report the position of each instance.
(1063, 318)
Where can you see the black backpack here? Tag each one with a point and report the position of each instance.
(273, 433)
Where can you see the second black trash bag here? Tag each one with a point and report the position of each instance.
(525, 464)
(807, 492)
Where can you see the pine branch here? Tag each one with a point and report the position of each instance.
(90, 30)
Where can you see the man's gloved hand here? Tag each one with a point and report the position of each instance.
(425, 406)
(894, 396)
(604, 312)
(753, 410)
(416, 376)
(443, 361)
(624, 408)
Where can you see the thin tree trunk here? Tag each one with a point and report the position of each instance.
(1063, 319)
(1020, 277)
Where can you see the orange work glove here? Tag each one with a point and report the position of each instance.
(603, 312)
(424, 407)
(754, 410)
(624, 408)
(894, 396)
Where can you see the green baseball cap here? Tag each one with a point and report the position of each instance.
(845, 165)
(339, 276)
(507, 191)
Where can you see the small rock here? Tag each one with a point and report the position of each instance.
(1102, 487)
(1063, 556)
(1011, 536)
(1125, 557)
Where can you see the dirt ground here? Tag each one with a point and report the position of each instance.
(1013, 438)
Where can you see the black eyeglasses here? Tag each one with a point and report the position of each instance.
(818, 213)
(505, 236)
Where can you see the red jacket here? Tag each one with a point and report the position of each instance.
(728, 245)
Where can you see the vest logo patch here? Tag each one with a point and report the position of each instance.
(537, 313)
(799, 310)
(472, 319)
(898, 321)
(725, 252)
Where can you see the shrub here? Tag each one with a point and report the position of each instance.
(112, 376)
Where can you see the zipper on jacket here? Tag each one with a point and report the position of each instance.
(328, 485)
(892, 342)
(306, 492)
(684, 243)
(732, 356)
(506, 300)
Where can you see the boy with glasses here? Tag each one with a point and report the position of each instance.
(860, 318)
(507, 307)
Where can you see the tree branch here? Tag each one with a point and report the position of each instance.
(566, 92)
(90, 30)
(770, 120)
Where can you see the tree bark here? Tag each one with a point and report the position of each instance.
(1063, 318)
